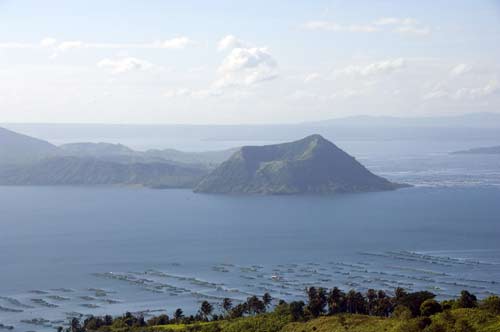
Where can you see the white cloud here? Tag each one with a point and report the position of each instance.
(460, 69)
(174, 43)
(123, 65)
(413, 30)
(340, 94)
(312, 77)
(48, 42)
(376, 68)
(407, 25)
(204, 93)
(490, 88)
(197, 69)
(435, 94)
(229, 42)
(302, 95)
(177, 93)
(246, 66)
(199, 94)
(241, 68)
(348, 93)
(73, 44)
(335, 27)
(468, 93)
(64, 46)
(395, 21)
(15, 45)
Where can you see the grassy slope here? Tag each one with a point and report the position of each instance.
(480, 320)
(359, 323)
(265, 322)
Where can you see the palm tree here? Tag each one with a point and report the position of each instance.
(371, 296)
(317, 301)
(384, 306)
(399, 293)
(255, 305)
(239, 310)
(297, 310)
(227, 304)
(178, 314)
(206, 309)
(335, 300)
(355, 302)
(266, 298)
(75, 325)
(361, 305)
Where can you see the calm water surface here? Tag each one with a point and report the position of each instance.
(67, 251)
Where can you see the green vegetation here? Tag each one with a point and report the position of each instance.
(92, 171)
(311, 165)
(326, 310)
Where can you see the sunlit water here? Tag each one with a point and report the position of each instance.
(68, 251)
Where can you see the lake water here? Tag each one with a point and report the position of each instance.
(67, 251)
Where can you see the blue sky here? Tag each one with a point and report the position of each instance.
(245, 62)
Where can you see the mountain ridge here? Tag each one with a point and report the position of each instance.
(310, 165)
(480, 150)
(87, 171)
(25, 160)
(18, 148)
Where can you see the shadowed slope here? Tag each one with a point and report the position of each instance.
(21, 149)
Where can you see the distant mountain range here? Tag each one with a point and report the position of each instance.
(473, 126)
(123, 154)
(28, 161)
(470, 120)
(310, 165)
(482, 150)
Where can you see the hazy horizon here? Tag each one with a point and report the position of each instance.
(481, 116)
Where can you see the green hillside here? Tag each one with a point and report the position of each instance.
(310, 165)
(325, 311)
(92, 171)
(455, 320)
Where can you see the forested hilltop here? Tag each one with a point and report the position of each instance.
(312, 165)
(325, 310)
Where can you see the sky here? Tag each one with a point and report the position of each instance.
(234, 62)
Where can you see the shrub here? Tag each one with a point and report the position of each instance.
(491, 304)
(402, 312)
(462, 325)
(448, 304)
(467, 300)
(430, 307)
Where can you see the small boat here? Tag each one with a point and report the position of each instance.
(276, 277)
